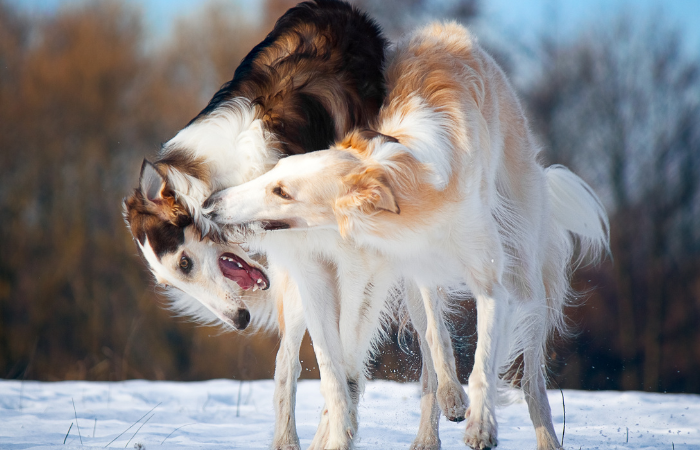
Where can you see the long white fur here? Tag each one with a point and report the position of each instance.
(425, 133)
(577, 209)
(234, 145)
(186, 306)
(343, 333)
(231, 140)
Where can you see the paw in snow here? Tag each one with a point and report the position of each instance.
(546, 441)
(286, 447)
(426, 444)
(453, 401)
(481, 430)
(321, 435)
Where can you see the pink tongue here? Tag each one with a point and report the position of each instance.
(246, 276)
(232, 272)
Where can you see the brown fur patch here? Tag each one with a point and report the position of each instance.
(145, 220)
(368, 193)
(185, 163)
(163, 220)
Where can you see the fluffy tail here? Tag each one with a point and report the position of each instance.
(578, 210)
(579, 232)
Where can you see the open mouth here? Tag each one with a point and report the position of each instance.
(246, 276)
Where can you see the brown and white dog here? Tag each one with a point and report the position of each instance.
(315, 77)
(446, 187)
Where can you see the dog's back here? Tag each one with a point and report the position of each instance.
(315, 76)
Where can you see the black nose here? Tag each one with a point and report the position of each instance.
(241, 319)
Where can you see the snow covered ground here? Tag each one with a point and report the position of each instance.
(208, 415)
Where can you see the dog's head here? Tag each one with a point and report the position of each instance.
(325, 189)
(213, 274)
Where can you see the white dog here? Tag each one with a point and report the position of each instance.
(447, 188)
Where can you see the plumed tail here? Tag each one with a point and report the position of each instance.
(579, 232)
(578, 210)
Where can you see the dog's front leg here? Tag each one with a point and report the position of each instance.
(450, 394)
(319, 297)
(288, 368)
(321, 436)
(364, 280)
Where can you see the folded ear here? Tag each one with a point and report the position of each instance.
(160, 200)
(151, 182)
(369, 191)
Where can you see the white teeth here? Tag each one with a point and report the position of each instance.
(255, 287)
(239, 265)
(259, 280)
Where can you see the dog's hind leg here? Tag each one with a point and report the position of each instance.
(428, 437)
(534, 385)
(288, 369)
(450, 394)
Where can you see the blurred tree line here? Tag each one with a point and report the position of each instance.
(83, 99)
(621, 106)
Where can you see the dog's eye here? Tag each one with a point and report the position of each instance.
(278, 191)
(185, 264)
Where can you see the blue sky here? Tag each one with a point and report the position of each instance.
(515, 18)
(571, 15)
